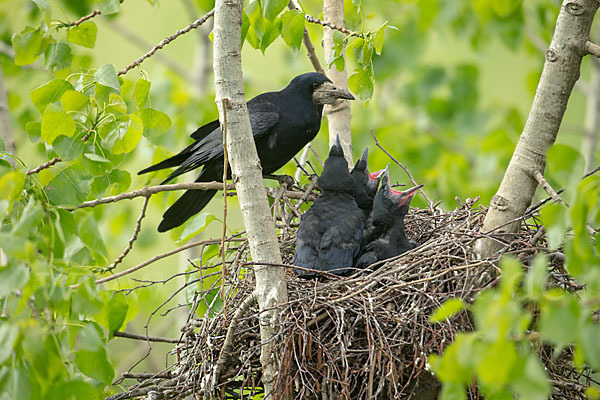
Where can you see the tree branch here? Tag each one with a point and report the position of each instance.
(150, 190)
(228, 344)
(160, 257)
(135, 336)
(592, 48)
(547, 187)
(335, 27)
(43, 166)
(138, 227)
(166, 41)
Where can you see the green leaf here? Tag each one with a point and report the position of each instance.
(90, 336)
(56, 122)
(155, 122)
(34, 131)
(29, 221)
(107, 7)
(118, 179)
(96, 157)
(496, 363)
(69, 187)
(113, 314)
(559, 317)
(58, 56)
(378, 39)
(292, 29)
(272, 8)
(107, 76)
(196, 225)
(68, 149)
(8, 337)
(83, 34)
(361, 83)
(72, 100)
(142, 89)
(12, 279)
(90, 235)
(11, 185)
(589, 337)
(532, 383)
(49, 93)
(43, 5)
(27, 45)
(456, 364)
(86, 301)
(95, 364)
(72, 390)
(535, 283)
(271, 32)
(554, 218)
(122, 135)
(450, 308)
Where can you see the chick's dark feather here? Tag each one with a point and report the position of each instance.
(330, 232)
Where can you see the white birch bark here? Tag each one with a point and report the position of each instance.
(271, 287)
(561, 71)
(339, 113)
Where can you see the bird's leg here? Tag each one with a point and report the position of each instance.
(287, 179)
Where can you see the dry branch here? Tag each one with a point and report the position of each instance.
(44, 166)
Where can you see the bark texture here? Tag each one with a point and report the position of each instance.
(561, 71)
(338, 113)
(271, 287)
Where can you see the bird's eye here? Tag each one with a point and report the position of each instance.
(316, 85)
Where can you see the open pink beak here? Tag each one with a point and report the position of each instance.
(404, 197)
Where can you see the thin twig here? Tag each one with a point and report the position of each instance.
(150, 190)
(308, 44)
(429, 202)
(43, 166)
(228, 344)
(167, 40)
(138, 227)
(225, 104)
(86, 17)
(547, 187)
(314, 20)
(159, 257)
(145, 338)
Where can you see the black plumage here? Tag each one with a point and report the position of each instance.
(384, 236)
(282, 124)
(330, 232)
(365, 183)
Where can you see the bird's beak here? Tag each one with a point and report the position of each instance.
(327, 93)
(404, 197)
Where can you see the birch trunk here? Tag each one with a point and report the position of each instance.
(338, 113)
(246, 172)
(561, 70)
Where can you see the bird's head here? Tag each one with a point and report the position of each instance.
(321, 89)
(363, 177)
(335, 175)
(396, 202)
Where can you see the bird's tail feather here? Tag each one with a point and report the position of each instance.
(168, 163)
(190, 203)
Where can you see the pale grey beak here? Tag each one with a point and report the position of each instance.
(327, 93)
